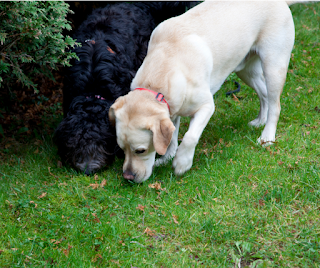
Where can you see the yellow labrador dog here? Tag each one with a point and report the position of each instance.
(189, 57)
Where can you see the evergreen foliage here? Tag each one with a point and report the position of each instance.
(31, 40)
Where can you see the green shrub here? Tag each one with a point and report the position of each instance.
(31, 40)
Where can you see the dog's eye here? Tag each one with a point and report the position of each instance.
(140, 151)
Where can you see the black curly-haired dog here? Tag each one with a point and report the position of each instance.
(114, 43)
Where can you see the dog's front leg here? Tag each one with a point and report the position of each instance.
(184, 156)
(172, 149)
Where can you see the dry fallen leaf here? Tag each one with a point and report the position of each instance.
(96, 219)
(175, 219)
(261, 203)
(155, 185)
(35, 204)
(66, 251)
(96, 177)
(140, 207)
(94, 185)
(149, 232)
(103, 183)
(96, 258)
(42, 195)
(234, 97)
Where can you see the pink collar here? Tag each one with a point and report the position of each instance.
(97, 97)
(159, 96)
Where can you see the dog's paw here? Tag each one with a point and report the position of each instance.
(181, 165)
(182, 162)
(264, 142)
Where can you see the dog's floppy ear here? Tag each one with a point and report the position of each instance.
(162, 134)
(117, 104)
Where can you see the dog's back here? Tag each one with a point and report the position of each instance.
(235, 27)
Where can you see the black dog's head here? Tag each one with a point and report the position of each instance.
(85, 138)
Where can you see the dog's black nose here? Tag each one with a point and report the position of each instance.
(87, 171)
(128, 175)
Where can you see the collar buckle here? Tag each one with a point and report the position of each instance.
(158, 96)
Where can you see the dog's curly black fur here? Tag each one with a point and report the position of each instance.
(114, 43)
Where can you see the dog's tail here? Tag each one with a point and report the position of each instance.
(296, 2)
(162, 10)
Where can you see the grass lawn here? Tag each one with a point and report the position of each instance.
(240, 205)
